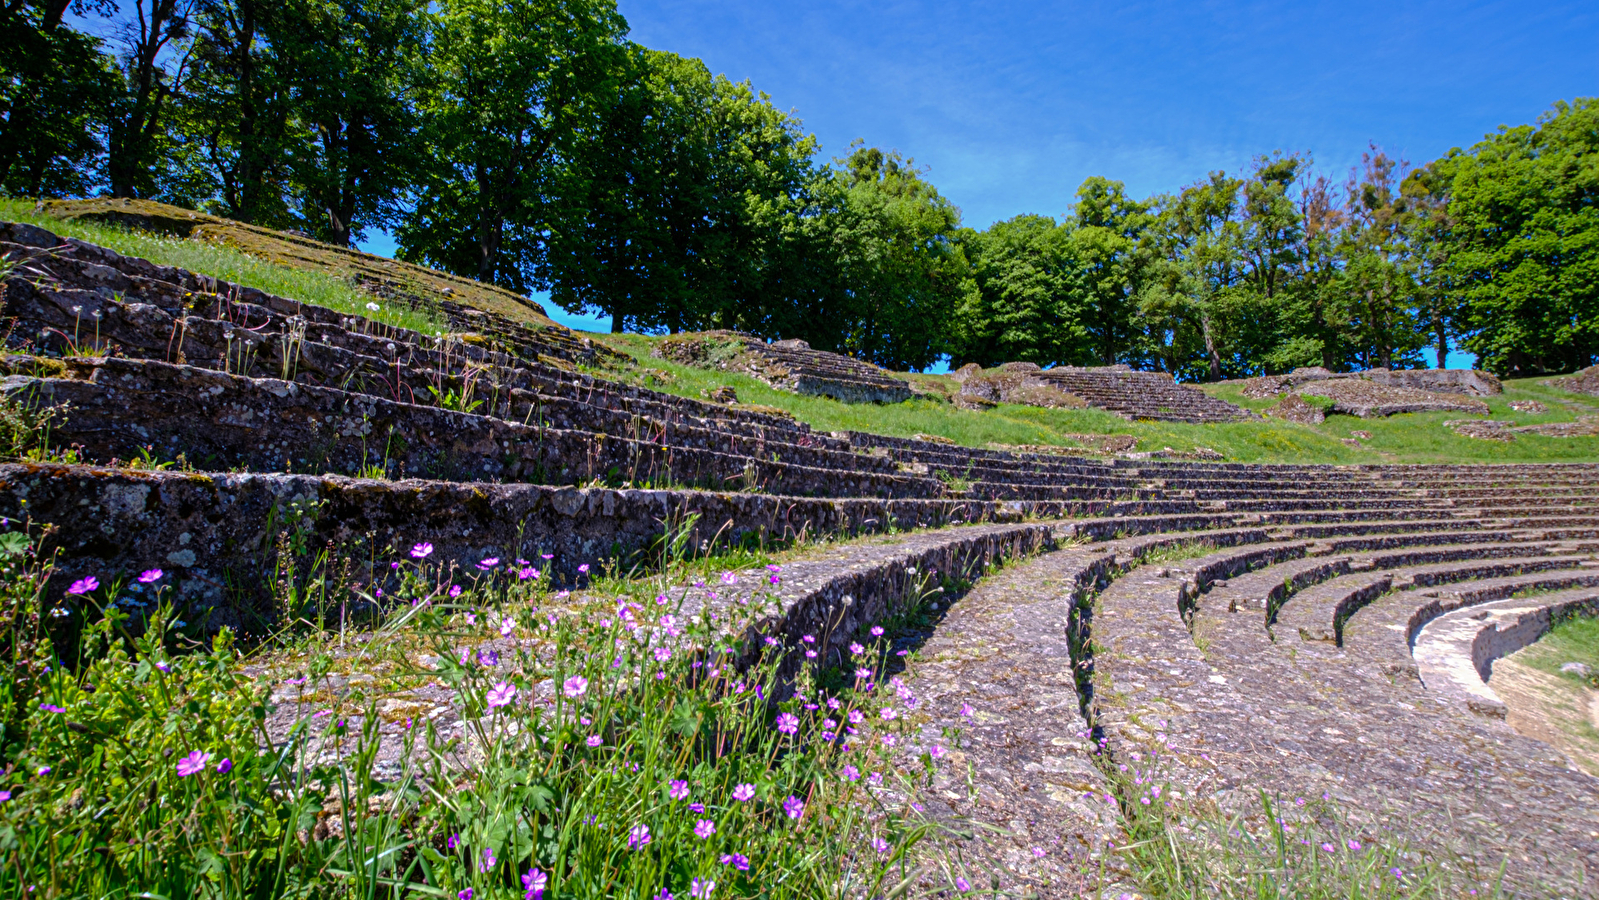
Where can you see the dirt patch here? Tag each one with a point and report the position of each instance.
(1293, 408)
(1550, 709)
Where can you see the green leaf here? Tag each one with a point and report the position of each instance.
(13, 543)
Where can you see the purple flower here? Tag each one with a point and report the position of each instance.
(774, 568)
(962, 884)
(453, 842)
(888, 713)
(737, 860)
(788, 723)
(1354, 844)
(863, 673)
(678, 790)
(744, 792)
(966, 710)
(83, 585)
(5, 796)
(937, 752)
(729, 578)
(533, 883)
(856, 649)
(51, 707)
(850, 773)
(488, 860)
(488, 562)
(488, 658)
(662, 654)
(638, 837)
(464, 895)
(455, 591)
(44, 770)
(700, 888)
(595, 740)
(225, 766)
(794, 807)
(697, 807)
(704, 828)
(192, 764)
(877, 631)
(576, 686)
(507, 627)
(1327, 848)
(546, 556)
(159, 664)
(527, 572)
(880, 845)
(422, 550)
(583, 569)
(149, 576)
(501, 694)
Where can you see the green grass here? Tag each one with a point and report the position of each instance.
(1411, 438)
(592, 729)
(232, 265)
(1574, 640)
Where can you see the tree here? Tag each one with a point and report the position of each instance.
(234, 127)
(1106, 227)
(677, 208)
(902, 273)
(350, 68)
(1429, 232)
(1025, 307)
(1524, 242)
(1196, 238)
(515, 82)
(152, 70)
(1373, 250)
(56, 89)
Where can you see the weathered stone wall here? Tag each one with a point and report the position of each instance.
(218, 532)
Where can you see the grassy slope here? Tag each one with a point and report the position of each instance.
(307, 285)
(1413, 438)
(270, 260)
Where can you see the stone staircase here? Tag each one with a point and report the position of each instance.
(1142, 395)
(789, 366)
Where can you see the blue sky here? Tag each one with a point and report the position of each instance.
(1011, 105)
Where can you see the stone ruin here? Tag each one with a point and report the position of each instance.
(1222, 629)
(1383, 392)
(788, 366)
(1118, 389)
(1142, 395)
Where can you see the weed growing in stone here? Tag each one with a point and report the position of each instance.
(642, 744)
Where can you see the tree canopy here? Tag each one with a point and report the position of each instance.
(531, 144)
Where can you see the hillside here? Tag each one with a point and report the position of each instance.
(417, 286)
(1408, 438)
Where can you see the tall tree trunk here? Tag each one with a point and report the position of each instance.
(250, 175)
(1441, 332)
(1210, 346)
(132, 136)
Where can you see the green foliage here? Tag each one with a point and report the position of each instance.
(654, 762)
(1524, 233)
(56, 86)
(682, 196)
(512, 87)
(1027, 279)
